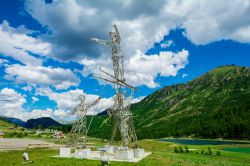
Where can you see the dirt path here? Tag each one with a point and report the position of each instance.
(22, 143)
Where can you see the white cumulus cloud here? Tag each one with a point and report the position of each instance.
(143, 24)
(19, 45)
(66, 101)
(11, 105)
(57, 77)
(167, 44)
(10, 101)
(206, 21)
(34, 99)
(142, 69)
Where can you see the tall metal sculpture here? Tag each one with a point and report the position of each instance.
(120, 112)
(78, 133)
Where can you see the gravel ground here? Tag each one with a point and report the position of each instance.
(22, 143)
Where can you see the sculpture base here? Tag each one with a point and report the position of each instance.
(65, 152)
(82, 153)
(139, 153)
(118, 155)
(123, 154)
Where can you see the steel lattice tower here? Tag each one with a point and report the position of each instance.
(78, 133)
(121, 110)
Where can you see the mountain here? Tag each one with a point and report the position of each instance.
(104, 113)
(216, 104)
(43, 122)
(3, 118)
(16, 121)
(5, 125)
(31, 123)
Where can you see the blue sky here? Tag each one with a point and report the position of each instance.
(46, 57)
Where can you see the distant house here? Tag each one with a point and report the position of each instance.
(58, 134)
(1, 135)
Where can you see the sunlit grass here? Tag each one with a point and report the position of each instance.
(162, 154)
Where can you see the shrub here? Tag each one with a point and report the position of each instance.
(19, 135)
(202, 151)
(12, 134)
(209, 151)
(218, 153)
(8, 134)
(186, 148)
(180, 149)
(176, 150)
(25, 134)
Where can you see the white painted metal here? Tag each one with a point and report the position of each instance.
(65, 152)
(120, 112)
(78, 133)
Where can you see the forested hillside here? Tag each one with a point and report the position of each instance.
(43, 122)
(216, 104)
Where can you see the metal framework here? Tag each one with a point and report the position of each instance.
(120, 112)
(79, 130)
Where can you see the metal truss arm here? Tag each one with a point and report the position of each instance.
(100, 41)
(120, 82)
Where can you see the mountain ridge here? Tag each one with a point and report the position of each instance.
(16, 121)
(43, 122)
(213, 105)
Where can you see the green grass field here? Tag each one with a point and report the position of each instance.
(238, 149)
(162, 154)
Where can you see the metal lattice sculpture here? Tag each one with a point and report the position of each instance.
(78, 133)
(120, 111)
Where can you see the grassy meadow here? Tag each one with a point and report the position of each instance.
(163, 153)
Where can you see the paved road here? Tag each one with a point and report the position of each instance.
(22, 143)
